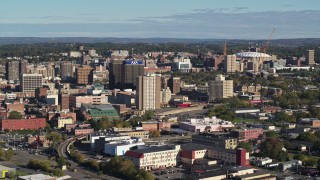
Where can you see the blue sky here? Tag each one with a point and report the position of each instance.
(204, 19)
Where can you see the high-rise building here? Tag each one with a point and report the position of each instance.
(165, 96)
(220, 88)
(66, 71)
(30, 82)
(131, 70)
(50, 70)
(122, 74)
(115, 74)
(84, 75)
(148, 92)
(64, 101)
(164, 82)
(23, 67)
(174, 84)
(85, 60)
(230, 63)
(12, 70)
(310, 57)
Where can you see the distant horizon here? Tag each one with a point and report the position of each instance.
(186, 19)
(178, 38)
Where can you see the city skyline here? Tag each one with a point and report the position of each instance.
(163, 19)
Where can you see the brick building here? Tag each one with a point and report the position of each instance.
(247, 134)
(154, 125)
(23, 124)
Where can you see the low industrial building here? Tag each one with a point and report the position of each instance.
(205, 125)
(119, 148)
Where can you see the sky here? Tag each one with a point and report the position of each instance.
(194, 19)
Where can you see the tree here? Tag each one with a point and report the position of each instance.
(144, 175)
(308, 136)
(61, 161)
(284, 117)
(14, 115)
(57, 172)
(54, 138)
(246, 146)
(273, 148)
(318, 164)
(272, 134)
(8, 154)
(311, 162)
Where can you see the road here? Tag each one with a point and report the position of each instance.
(180, 110)
(62, 151)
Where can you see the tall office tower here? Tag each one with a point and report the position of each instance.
(310, 57)
(85, 60)
(220, 88)
(122, 74)
(174, 84)
(130, 70)
(30, 82)
(84, 75)
(230, 63)
(64, 101)
(66, 71)
(12, 70)
(115, 74)
(23, 67)
(164, 82)
(165, 96)
(148, 92)
(50, 70)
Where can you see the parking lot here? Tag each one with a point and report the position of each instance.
(169, 173)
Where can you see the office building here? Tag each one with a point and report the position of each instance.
(122, 74)
(247, 134)
(115, 74)
(23, 67)
(154, 157)
(61, 122)
(64, 101)
(174, 84)
(230, 63)
(215, 140)
(165, 96)
(310, 57)
(12, 70)
(182, 65)
(131, 70)
(220, 88)
(148, 92)
(84, 75)
(30, 82)
(66, 71)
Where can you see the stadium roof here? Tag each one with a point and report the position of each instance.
(252, 55)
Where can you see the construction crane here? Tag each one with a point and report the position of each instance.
(266, 44)
(265, 47)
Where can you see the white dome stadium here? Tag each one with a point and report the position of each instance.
(252, 55)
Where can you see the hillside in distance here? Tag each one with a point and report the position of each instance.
(35, 40)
